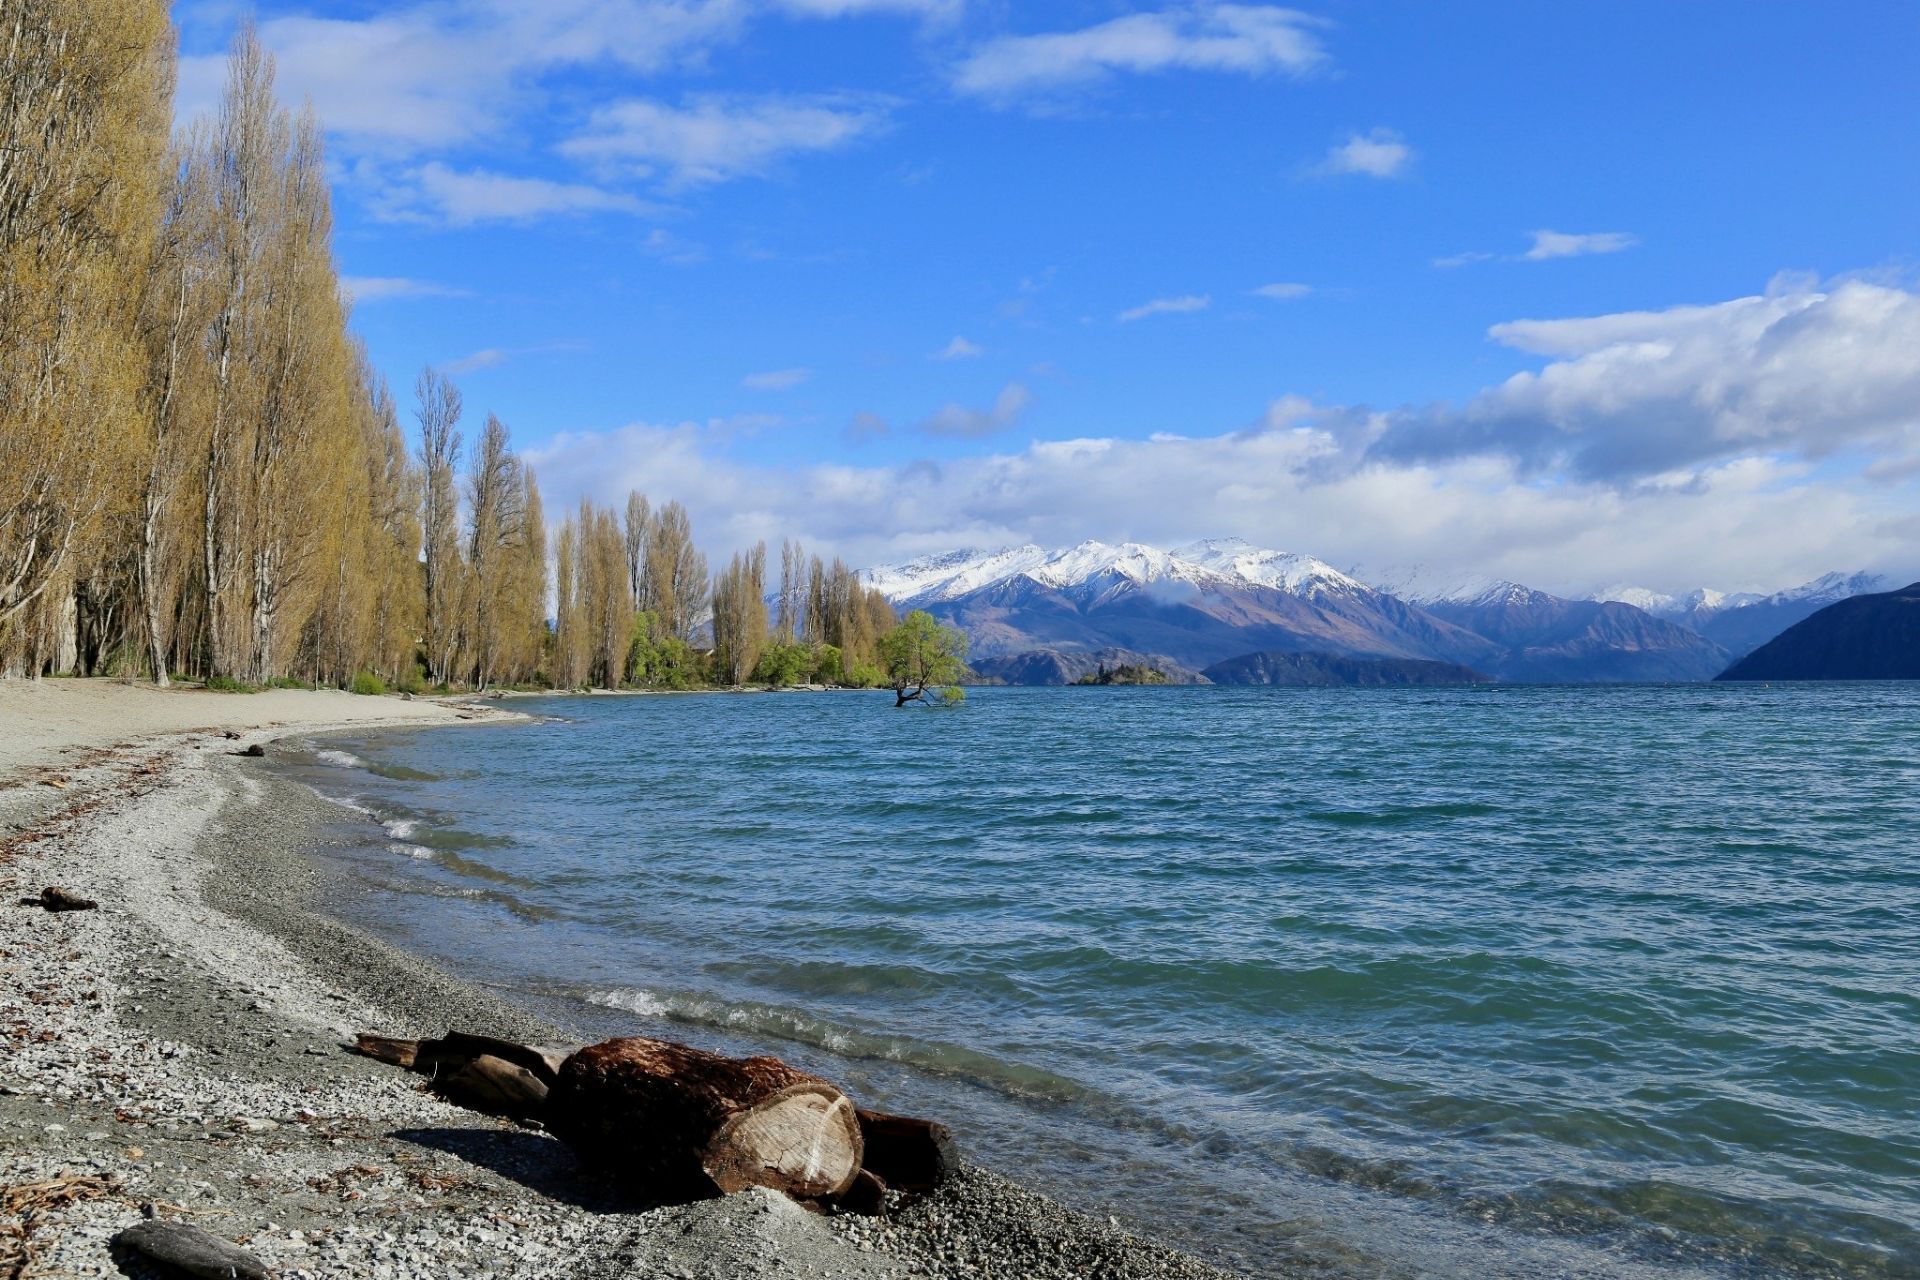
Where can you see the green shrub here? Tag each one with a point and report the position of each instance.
(369, 684)
(227, 684)
(287, 682)
(415, 681)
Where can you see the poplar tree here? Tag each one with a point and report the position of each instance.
(740, 614)
(676, 573)
(439, 417)
(85, 95)
(638, 529)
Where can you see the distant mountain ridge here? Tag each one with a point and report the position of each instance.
(1875, 636)
(1741, 622)
(1026, 609)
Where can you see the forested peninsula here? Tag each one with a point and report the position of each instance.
(203, 476)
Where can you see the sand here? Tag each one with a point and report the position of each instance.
(180, 1049)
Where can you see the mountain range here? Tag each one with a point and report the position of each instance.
(1035, 616)
(1874, 636)
(1743, 621)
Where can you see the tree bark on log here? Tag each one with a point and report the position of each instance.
(495, 1086)
(907, 1153)
(679, 1122)
(186, 1250)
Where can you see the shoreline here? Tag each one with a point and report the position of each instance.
(181, 1047)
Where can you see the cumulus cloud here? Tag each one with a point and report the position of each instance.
(959, 349)
(1379, 153)
(1696, 445)
(1743, 526)
(1799, 371)
(776, 379)
(436, 193)
(1562, 244)
(1241, 39)
(715, 137)
(1166, 306)
(959, 422)
(429, 79)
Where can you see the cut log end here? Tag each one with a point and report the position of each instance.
(389, 1049)
(804, 1140)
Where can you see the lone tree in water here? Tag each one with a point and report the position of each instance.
(919, 655)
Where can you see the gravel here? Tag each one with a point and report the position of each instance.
(179, 1052)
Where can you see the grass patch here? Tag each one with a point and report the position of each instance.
(227, 684)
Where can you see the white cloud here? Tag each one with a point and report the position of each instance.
(1471, 256)
(715, 138)
(388, 288)
(776, 379)
(486, 358)
(672, 249)
(959, 422)
(435, 193)
(1380, 153)
(420, 80)
(1236, 38)
(1166, 306)
(1733, 444)
(959, 349)
(1283, 291)
(940, 9)
(1744, 525)
(1797, 372)
(1561, 244)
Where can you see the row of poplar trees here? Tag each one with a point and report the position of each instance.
(201, 473)
(634, 606)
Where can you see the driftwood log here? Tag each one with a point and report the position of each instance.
(907, 1153)
(495, 1086)
(678, 1121)
(54, 898)
(183, 1249)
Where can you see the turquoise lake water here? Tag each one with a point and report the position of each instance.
(1427, 982)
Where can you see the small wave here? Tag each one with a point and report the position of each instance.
(401, 828)
(1401, 815)
(1009, 1077)
(354, 803)
(419, 851)
(340, 759)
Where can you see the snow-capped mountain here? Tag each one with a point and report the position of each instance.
(1743, 621)
(1099, 566)
(1029, 611)
(1196, 605)
(1288, 571)
(1423, 585)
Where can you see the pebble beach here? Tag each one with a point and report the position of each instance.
(180, 1051)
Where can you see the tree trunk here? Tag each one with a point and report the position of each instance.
(677, 1122)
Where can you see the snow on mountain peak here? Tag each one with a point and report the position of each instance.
(1423, 584)
(1825, 589)
(1288, 571)
(1213, 563)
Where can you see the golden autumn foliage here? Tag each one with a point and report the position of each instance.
(202, 473)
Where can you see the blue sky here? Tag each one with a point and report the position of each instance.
(901, 275)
